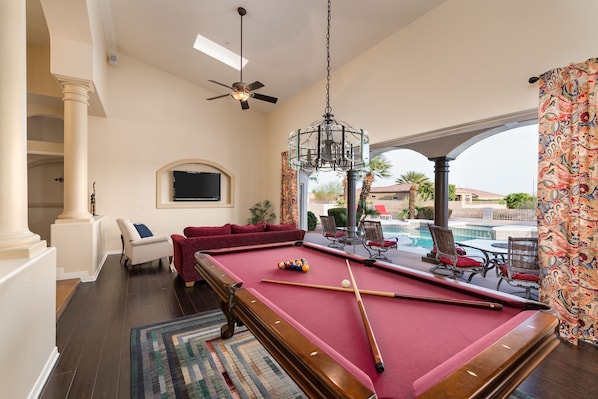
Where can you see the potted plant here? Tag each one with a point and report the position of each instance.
(261, 212)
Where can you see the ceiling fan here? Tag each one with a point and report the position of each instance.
(242, 91)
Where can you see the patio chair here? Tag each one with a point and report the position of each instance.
(332, 234)
(452, 258)
(373, 240)
(382, 212)
(522, 268)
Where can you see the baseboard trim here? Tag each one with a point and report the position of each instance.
(83, 276)
(37, 388)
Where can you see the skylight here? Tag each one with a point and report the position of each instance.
(218, 52)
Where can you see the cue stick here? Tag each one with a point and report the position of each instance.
(446, 301)
(366, 323)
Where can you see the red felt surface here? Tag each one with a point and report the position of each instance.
(414, 337)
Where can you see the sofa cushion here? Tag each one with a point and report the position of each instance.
(280, 227)
(207, 231)
(143, 230)
(248, 228)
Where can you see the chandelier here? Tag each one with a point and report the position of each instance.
(328, 144)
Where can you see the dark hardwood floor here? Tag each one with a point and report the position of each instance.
(93, 336)
(93, 333)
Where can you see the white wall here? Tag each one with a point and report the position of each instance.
(464, 61)
(28, 319)
(155, 119)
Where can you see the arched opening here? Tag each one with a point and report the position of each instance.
(45, 172)
(488, 165)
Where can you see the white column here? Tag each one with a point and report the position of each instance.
(75, 97)
(16, 240)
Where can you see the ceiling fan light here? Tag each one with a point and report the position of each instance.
(240, 95)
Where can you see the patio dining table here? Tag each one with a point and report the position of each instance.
(494, 251)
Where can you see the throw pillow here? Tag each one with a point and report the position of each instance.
(248, 228)
(207, 231)
(143, 230)
(280, 227)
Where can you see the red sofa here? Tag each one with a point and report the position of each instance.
(229, 235)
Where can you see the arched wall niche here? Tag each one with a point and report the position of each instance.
(164, 184)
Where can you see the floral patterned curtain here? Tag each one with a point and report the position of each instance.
(289, 211)
(568, 197)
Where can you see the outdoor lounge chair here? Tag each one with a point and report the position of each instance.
(331, 233)
(374, 241)
(452, 258)
(382, 212)
(522, 268)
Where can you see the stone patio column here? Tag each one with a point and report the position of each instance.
(441, 190)
(16, 240)
(75, 97)
(351, 207)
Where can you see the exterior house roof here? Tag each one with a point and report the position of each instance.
(479, 194)
(404, 188)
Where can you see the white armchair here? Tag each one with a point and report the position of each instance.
(137, 249)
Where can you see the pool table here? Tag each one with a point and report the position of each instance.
(429, 349)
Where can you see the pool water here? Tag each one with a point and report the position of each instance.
(420, 235)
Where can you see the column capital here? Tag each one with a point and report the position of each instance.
(70, 82)
(441, 159)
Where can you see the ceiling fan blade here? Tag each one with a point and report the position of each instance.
(214, 98)
(263, 97)
(255, 85)
(244, 105)
(221, 84)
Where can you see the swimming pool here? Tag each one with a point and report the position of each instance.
(420, 234)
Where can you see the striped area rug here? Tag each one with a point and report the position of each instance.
(185, 358)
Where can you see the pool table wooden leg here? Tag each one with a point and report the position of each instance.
(228, 308)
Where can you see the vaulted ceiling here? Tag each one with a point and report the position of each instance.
(284, 40)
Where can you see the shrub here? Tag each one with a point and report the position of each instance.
(520, 201)
(427, 212)
(328, 192)
(312, 221)
(339, 215)
(403, 214)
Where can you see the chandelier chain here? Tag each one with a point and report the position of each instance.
(328, 109)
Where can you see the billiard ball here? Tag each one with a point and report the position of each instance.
(346, 283)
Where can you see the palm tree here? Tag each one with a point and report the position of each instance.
(414, 180)
(364, 210)
(379, 167)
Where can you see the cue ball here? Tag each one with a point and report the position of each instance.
(346, 283)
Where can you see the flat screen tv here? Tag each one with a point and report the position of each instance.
(195, 186)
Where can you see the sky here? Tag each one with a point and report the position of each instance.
(502, 164)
